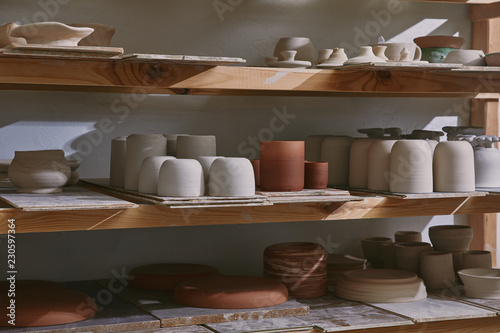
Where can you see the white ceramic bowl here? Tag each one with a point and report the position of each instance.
(481, 282)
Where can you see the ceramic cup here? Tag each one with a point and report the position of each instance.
(358, 162)
(411, 167)
(192, 146)
(408, 236)
(466, 57)
(436, 269)
(388, 253)
(172, 143)
(486, 162)
(315, 175)
(452, 238)
(477, 259)
(181, 178)
(453, 167)
(393, 50)
(379, 159)
(117, 161)
(149, 172)
(336, 150)
(303, 46)
(371, 247)
(282, 165)
(231, 177)
(408, 255)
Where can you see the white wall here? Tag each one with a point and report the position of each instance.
(42, 120)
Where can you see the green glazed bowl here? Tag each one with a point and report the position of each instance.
(435, 54)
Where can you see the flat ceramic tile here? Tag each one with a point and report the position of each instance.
(261, 325)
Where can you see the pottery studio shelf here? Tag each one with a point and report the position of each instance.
(111, 209)
(170, 77)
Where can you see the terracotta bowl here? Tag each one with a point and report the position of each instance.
(493, 59)
(439, 41)
(451, 237)
(481, 282)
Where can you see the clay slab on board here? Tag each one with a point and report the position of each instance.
(457, 293)
(183, 329)
(261, 325)
(116, 315)
(171, 314)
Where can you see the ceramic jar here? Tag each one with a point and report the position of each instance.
(379, 51)
(407, 236)
(336, 150)
(39, 171)
(337, 58)
(453, 167)
(181, 178)
(192, 146)
(411, 167)
(477, 259)
(149, 172)
(452, 238)
(303, 46)
(315, 175)
(486, 162)
(118, 161)
(172, 143)
(436, 269)
(51, 33)
(100, 37)
(358, 163)
(140, 146)
(282, 165)
(379, 159)
(231, 177)
(371, 247)
(313, 145)
(365, 55)
(408, 255)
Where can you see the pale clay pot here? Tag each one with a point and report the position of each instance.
(313, 145)
(393, 50)
(379, 158)
(388, 253)
(181, 178)
(172, 143)
(206, 163)
(453, 167)
(358, 162)
(323, 55)
(336, 150)
(51, 33)
(436, 269)
(466, 57)
(408, 255)
(231, 177)
(101, 36)
(117, 161)
(365, 55)
(140, 146)
(303, 46)
(411, 167)
(39, 171)
(486, 162)
(477, 259)
(372, 250)
(481, 282)
(337, 58)
(452, 238)
(149, 173)
(192, 146)
(5, 37)
(407, 236)
(379, 51)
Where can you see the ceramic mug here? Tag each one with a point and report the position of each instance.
(436, 269)
(393, 50)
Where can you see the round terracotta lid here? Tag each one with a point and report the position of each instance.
(44, 307)
(231, 292)
(166, 276)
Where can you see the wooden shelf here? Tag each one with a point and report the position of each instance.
(151, 78)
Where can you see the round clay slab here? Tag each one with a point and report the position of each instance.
(167, 276)
(48, 306)
(381, 276)
(231, 292)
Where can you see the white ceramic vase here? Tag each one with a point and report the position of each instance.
(192, 146)
(181, 178)
(379, 160)
(486, 162)
(140, 146)
(336, 150)
(358, 162)
(453, 167)
(149, 172)
(51, 33)
(231, 177)
(411, 167)
(39, 171)
(117, 161)
(303, 46)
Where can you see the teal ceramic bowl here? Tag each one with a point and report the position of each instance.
(435, 54)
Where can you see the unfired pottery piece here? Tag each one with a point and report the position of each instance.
(282, 165)
(336, 150)
(192, 146)
(181, 178)
(486, 162)
(388, 255)
(436, 269)
(172, 143)
(358, 162)
(452, 238)
(380, 286)
(338, 263)
(481, 282)
(365, 55)
(51, 33)
(323, 55)
(336, 59)
(230, 292)
(149, 172)
(379, 160)
(371, 247)
(206, 163)
(315, 175)
(5, 37)
(453, 167)
(303, 46)
(466, 57)
(379, 51)
(166, 276)
(393, 50)
(256, 171)
(408, 255)
(39, 171)
(477, 259)
(407, 236)
(231, 177)
(101, 36)
(118, 161)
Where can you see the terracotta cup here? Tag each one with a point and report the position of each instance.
(315, 175)
(477, 259)
(436, 269)
(371, 247)
(407, 236)
(408, 255)
(282, 165)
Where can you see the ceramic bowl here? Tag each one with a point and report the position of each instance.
(439, 41)
(481, 282)
(466, 57)
(451, 238)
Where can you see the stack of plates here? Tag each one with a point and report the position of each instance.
(339, 263)
(380, 286)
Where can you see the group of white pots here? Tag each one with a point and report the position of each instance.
(178, 165)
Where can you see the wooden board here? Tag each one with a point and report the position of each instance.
(413, 196)
(457, 294)
(171, 314)
(404, 66)
(183, 329)
(114, 314)
(285, 324)
(61, 52)
(72, 198)
(181, 59)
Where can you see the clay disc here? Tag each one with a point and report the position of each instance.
(231, 292)
(166, 276)
(47, 306)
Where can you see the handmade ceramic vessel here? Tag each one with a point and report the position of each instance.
(435, 54)
(172, 143)
(338, 263)
(388, 254)
(206, 163)
(192, 146)
(379, 51)
(453, 167)
(477, 259)
(149, 172)
(358, 162)
(436, 269)
(393, 50)
(315, 175)
(466, 57)
(493, 59)
(303, 46)
(5, 37)
(336, 151)
(371, 247)
(140, 146)
(407, 236)
(256, 171)
(181, 178)
(411, 167)
(486, 162)
(379, 160)
(313, 145)
(439, 41)
(231, 177)
(282, 165)
(39, 171)
(289, 61)
(337, 58)
(51, 33)
(101, 36)
(118, 161)
(408, 255)
(481, 282)
(452, 238)
(323, 55)
(365, 55)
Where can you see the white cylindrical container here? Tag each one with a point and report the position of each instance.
(379, 160)
(140, 146)
(192, 146)
(358, 162)
(118, 161)
(181, 178)
(231, 177)
(453, 167)
(486, 164)
(172, 143)
(149, 172)
(206, 163)
(411, 167)
(336, 150)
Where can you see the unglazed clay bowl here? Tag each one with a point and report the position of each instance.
(303, 46)
(51, 33)
(481, 282)
(453, 238)
(493, 59)
(439, 41)
(371, 247)
(466, 57)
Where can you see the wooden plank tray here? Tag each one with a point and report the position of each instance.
(61, 52)
(181, 59)
(433, 195)
(457, 293)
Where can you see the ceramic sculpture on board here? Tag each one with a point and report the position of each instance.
(477, 259)
(39, 171)
(393, 50)
(453, 167)
(149, 173)
(365, 55)
(336, 150)
(172, 143)
(358, 162)
(323, 55)
(436, 269)
(336, 59)
(140, 146)
(51, 33)
(282, 165)
(379, 160)
(5, 37)
(181, 178)
(192, 146)
(118, 161)
(315, 175)
(303, 46)
(408, 255)
(371, 247)
(231, 177)
(101, 36)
